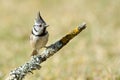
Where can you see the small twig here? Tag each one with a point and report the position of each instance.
(34, 64)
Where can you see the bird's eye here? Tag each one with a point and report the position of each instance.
(40, 25)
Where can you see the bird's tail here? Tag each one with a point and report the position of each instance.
(35, 52)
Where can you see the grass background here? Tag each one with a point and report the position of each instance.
(92, 55)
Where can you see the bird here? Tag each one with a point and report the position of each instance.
(39, 34)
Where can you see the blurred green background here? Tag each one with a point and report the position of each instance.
(92, 55)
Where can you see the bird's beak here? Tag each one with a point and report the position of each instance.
(46, 25)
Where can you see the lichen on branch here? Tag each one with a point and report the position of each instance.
(35, 61)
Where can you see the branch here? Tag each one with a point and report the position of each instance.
(35, 61)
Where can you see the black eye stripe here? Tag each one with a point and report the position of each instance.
(38, 25)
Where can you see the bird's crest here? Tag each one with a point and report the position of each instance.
(39, 20)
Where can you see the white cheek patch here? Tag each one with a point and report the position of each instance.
(37, 30)
(36, 33)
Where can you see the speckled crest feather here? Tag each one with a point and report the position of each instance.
(39, 20)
